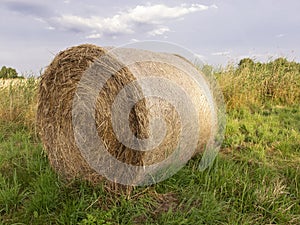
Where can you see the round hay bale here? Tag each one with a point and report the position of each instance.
(72, 106)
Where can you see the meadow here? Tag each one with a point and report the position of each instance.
(255, 179)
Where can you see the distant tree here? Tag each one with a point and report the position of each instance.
(8, 73)
(282, 65)
(281, 62)
(246, 62)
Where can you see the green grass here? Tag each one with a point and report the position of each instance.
(254, 180)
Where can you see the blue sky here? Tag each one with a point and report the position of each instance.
(219, 31)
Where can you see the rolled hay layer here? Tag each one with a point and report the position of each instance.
(131, 116)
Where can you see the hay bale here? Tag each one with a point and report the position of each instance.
(69, 86)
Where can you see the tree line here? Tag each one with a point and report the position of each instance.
(9, 73)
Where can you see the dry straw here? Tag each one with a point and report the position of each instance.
(56, 98)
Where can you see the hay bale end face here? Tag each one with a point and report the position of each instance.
(59, 87)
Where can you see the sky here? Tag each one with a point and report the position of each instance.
(219, 32)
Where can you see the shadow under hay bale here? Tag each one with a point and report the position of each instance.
(69, 85)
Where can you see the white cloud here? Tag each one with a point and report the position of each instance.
(280, 35)
(100, 25)
(156, 14)
(93, 36)
(50, 28)
(151, 17)
(225, 53)
(158, 31)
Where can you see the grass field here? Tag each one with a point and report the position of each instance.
(254, 180)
